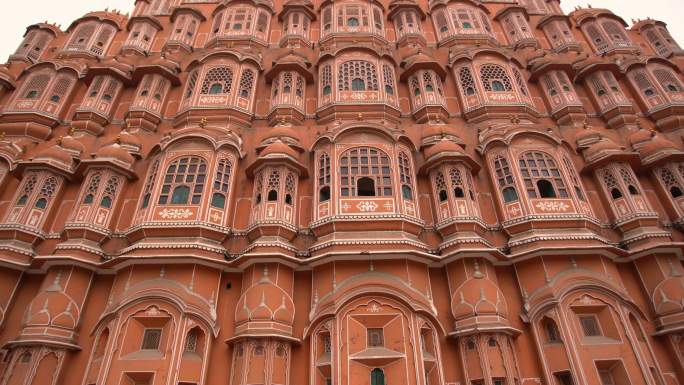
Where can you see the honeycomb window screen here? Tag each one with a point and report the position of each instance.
(541, 176)
(80, 39)
(494, 78)
(615, 31)
(273, 186)
(35, 86)
(667, 80)
(611, 184)
(671, 183)
(441, 187)
(643, 83)
(290, 187)
(456, 179)
(357, 75)
(627, 176)
(218, 80)
(92, 188)
(190, 87)
(442, 23)
(520, 82)
(184, 181)
(365, 171)
(27, 189)
(110, 191)
(246, 83)
(388, 77)
(326, 80)
(465, 77)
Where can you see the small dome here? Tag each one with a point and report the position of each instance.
(476, 297)
(657, 144)
(116, 153)
(279, 148)
(604, 145)
(282, 132)
(56, 155)
(72, 145)
(640, 138)
(444, 146)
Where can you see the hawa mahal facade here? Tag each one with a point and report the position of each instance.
(345, 192)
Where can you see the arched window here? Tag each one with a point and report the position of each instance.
(551, 330)
(149, 184)
(326, 80)
(273, 186)
(377, 377)
(441, 187)
(541, 176)
(289, 188)
(190, 87)
(184, 181)
(110, 192)
(504, 178)
(35, 86)
(246, 83)
(672, 184)
(574, 178)
(457, 183)
(357, 75)
(405, 178)
(218, 80)
(91, 190)
(365, 170)
(631, 184)
(324, 178)
(221, 186)
(668, 80)
(494, 78)
(643, 83)
(388, 77)
(611, 184)
(616, 32)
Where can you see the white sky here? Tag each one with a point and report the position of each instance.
(16, 16)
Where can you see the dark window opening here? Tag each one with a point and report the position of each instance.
(288, 199)
(324, 194)
(358, 85)
(509, 194)
(106, 202)
(546, 189)
(632, 190)
(498, 86)
(272, 196)
(41, 203)
(442, 195)
(406, 192)
(88, 199)
(458, 192)
(218, 200)
(365, 187)
(615, 193)
(180, 195)
(675, 191)
(216, 88)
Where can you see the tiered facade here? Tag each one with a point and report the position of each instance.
(345, 192)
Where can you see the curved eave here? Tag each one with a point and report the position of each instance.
(583, 15)
(287, 8)
(412, 67)
(95, 17)
(144, 19)
(53, 29)
(372, 50)
(56, 167)
(446, 157)
(164, 71)
(300, 68)
(513, 8)
(632, 158)
(188, 10)
(538, 70)
(120, 167)
(398, 6)
(587, 69)
(277, 158)
(125, 75)
(553, 17)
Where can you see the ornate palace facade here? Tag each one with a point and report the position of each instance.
(345, 192)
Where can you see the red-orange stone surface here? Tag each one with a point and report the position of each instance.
(248, 192)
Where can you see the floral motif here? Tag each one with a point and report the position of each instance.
(552, 206)
(367, 206)
(176, 213)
